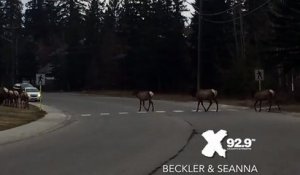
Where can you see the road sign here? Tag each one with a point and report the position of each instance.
(40, 79)
(259, 74)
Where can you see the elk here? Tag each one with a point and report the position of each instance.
(265, 95)
(145, 96)
(24, 100)
(16, 97)
(207, 94)
(10, 98)
(4, 96)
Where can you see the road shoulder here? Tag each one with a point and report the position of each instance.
(53, 120)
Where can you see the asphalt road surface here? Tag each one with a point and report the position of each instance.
(106, 135)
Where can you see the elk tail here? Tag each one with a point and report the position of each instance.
(151, 93)
(215, 92)
(272, 92)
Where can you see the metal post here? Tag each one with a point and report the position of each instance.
(242, 33)
(41, 96)
(199, 45)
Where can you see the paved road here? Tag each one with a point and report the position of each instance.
(107, 136)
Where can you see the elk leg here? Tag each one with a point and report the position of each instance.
(145, 106)
(198, 106)
(278, 107)
(270, 103)
(203, 106)
(216, 101)
(150, 101)
(210, 103)
(260, 105)
(140, 105)
(255, 105)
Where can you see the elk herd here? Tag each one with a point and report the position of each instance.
(210, 95)
(14, 98)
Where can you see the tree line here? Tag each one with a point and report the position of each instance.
(149, 44)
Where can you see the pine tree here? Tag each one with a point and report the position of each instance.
(94, 22)
(216, 44)
(2, 43)
(285, 22)
(12, 23)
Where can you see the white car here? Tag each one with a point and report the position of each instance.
(33, 93)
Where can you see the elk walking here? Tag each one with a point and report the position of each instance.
(207, 94)
(265, 95)
(24, 100)
(4, 96)
(145, 96)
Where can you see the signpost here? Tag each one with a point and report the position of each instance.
(259, 76)
(40, 81)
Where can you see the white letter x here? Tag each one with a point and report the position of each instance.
(214, 143)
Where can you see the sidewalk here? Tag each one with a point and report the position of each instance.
(52, 120)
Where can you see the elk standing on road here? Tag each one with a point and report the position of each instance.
(4, 96)
(24, 100)
(16, 97)
(207, 94)
(265, 95)
(145, 96)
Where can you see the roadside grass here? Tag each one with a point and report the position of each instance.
(13, 117)
(289, 107)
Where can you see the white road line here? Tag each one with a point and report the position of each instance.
(214, 110)
(178, 111)
(104, 114)
(123, 113)
(85, 115)
(160, 111)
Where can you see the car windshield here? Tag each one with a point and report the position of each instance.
(32, 90)
(24, 85)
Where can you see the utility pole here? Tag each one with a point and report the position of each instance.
(243, 55)
(199, 46)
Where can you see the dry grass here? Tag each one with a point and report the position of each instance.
(13, 117)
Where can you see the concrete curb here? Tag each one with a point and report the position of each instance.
(54, 119)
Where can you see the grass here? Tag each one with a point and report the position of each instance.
(13, 117)
(289, 107)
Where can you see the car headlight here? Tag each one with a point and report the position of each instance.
(39, 95)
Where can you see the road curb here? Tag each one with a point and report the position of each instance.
(53, 120)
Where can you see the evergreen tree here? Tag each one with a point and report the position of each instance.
(12, 23)
(216, 44)
(70, 69)
(94, 20)
(2, 42)
(285, 22)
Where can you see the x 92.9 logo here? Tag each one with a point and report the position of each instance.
(240, 144)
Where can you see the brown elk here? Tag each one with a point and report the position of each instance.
(16, 97)
(24, 100)
(10, 98)
(207, 94)
(4, 96)
(265, 95)
(145, 96)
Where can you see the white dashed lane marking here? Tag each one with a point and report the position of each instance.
(160, 111)
(178, 111)
(145, 112)
(123, 113)
(85, 115)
